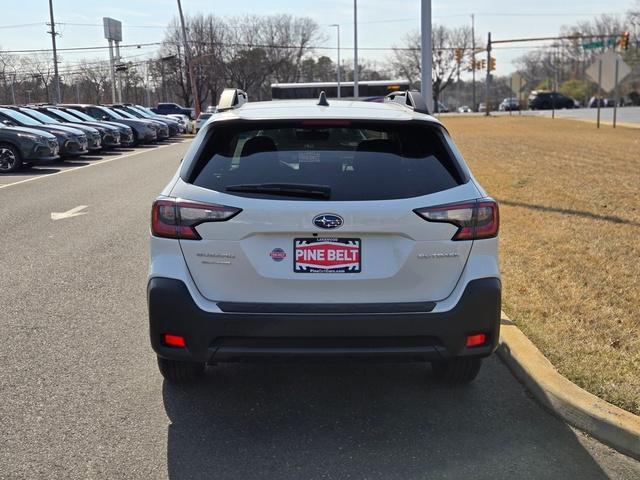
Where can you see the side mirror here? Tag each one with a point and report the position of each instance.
(9, 123)
(105, 117)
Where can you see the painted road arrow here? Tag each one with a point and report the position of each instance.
(74, 212)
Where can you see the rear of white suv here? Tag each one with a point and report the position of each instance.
(296, 230)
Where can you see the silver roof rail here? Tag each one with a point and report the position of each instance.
(411, 99)
(232, 98)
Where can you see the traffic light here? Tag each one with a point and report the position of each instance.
(493, 64)
(624, 41)
(483, 64)
(458, 55)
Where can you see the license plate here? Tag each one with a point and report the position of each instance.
(327, 255)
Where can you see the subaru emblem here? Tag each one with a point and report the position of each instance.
(328, 221)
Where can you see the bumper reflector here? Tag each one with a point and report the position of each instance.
(476, 340)
(171, 340)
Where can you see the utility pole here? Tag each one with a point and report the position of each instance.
(356, 88)
(187, 56)
(473, 60)
(56, 77)
(338, 74)
(426, 55)
(488, 86)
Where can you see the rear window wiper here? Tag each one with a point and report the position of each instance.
(285, 189)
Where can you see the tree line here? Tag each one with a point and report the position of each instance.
(251, 52)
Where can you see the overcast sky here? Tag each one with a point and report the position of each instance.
(382, 23)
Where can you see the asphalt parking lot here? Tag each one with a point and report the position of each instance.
(81, 396)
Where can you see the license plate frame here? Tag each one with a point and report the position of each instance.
(346, 256)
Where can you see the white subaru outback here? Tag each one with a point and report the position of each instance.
(309, 229)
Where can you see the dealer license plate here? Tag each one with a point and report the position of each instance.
(327, 255)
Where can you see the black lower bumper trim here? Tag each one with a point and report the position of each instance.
(238, 336)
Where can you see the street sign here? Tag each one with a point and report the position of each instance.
(608, 81)
(517, 83)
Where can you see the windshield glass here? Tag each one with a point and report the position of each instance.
(80, 115)
(124, 114)
(39, 115)
(20, 117)
(62, 114)
(138, 111)
(365, 161)
(111, 112)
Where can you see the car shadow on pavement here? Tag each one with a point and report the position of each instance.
(30, 172)
(364, 421)
(568, 211)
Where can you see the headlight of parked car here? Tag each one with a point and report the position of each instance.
(32, 137)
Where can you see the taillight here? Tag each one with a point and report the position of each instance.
(177, 218)
(475, 220)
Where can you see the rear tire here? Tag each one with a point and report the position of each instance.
(176, 371)
(10, 159)
(457, 371)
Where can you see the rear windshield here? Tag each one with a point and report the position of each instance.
(349, 161)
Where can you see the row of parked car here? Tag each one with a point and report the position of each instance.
(42, 133)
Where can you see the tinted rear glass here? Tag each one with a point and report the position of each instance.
(357, 161)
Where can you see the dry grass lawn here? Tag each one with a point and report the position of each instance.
(570, 241)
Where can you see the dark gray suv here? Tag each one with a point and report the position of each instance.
(25, 147)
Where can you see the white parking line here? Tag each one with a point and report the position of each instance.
(99, 162)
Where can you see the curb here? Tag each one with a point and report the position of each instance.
(606, 422)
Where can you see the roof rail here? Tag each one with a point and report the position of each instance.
(411, 99)
(232, 98)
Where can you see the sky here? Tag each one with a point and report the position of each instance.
(381, 23)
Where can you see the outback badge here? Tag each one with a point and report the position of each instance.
(328, 221)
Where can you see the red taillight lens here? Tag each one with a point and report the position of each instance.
(476, 340)
(171, 340)
(475, 220)
(177, 218)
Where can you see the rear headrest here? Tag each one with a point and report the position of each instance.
(257, 145)
(378, 145)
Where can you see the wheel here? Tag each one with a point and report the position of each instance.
(457, 371)
(10, 160)
(175, 371)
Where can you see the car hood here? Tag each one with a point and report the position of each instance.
(61, 129)
(82, 128)
(33, 131)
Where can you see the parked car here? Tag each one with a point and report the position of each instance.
(24, 147)
(144, 131)
(94, 139)
(465, 109)
(173, 108)
(73, 142)
(110, 134)
(189, 125)
(174, 125)
(167, 127)
(126, 132)
(162, 129)
(509, 105)
(539, 100)
(327, 232)
(482, 107)
(202, 119)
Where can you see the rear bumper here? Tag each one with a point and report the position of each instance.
(401, 335)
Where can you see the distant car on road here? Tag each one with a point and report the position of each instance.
(23, 147)
(465, 109)
(482, 107)
(440, 107)
(173, 108)
(315, 229)
(509, 105)
(542, 100)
